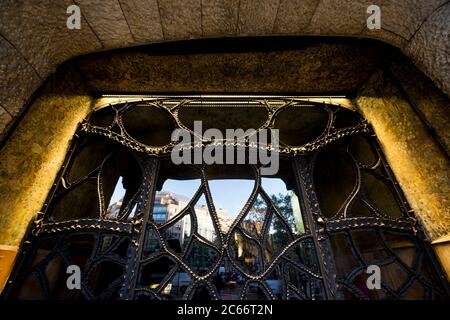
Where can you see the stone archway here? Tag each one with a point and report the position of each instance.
(34, 38)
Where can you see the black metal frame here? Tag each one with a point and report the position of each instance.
(319, 231)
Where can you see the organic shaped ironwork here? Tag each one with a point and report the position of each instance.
(340, 210)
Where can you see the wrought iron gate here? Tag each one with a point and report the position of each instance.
(342, 211)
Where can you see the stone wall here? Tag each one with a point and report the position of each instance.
(419, 162)
(34, 38)
(409, 114)
(33, 154)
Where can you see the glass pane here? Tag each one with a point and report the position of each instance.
(247, 253)
(105, 276)
(343, 255)
(253, 222)
(149, 125)
(178, 233)
(286, 201)
(381, 195)
(246, 117)
(304, 253)
(202, 258)
(56, 274)
(205, 226)
(345, 118)
(120, 181)
(415, 292)
(276, 240)
(370, 246)
(80, 248)
(394, 276)
(31, 289)
(230, 187)
(78, 203)
(299, 125)
(154, 272)
(176, 187)
(177, 286)
(363, 151)
(403, 247)
(335, 178)
(103, 117)
(89, 155)
(359, 209)
(152, 244)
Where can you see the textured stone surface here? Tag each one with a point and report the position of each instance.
(405, 17)
(385, 36)
(430, 47)
(5, 119)
(18, 79)
(143, 19)
(219, 17)
(346, 17)
(181, 19)
(431, 103)
(37, 29)
(108, 22)
(31, 158)
(257, 16)
(317, 68)
(420, 166)
(294, 15)
(39, 32)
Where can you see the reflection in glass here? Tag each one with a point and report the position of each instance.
(152, 243)
(304, 253)
(154, 272)
(253, 222)
(178, 234)
(247, 253)
(202, 258)
(177, 286)
(205, 226)
(276, 239)
(286, 201)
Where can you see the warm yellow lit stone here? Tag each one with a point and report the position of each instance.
(7, 257)
(32, 156)
(419, 164)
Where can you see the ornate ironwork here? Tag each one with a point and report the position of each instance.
(126, 253)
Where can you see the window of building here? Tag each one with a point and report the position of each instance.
(142, 227)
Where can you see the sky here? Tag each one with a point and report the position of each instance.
(228, 194)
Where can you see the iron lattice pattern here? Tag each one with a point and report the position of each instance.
(308, 232)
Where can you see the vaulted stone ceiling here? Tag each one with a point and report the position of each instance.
(34, 38)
